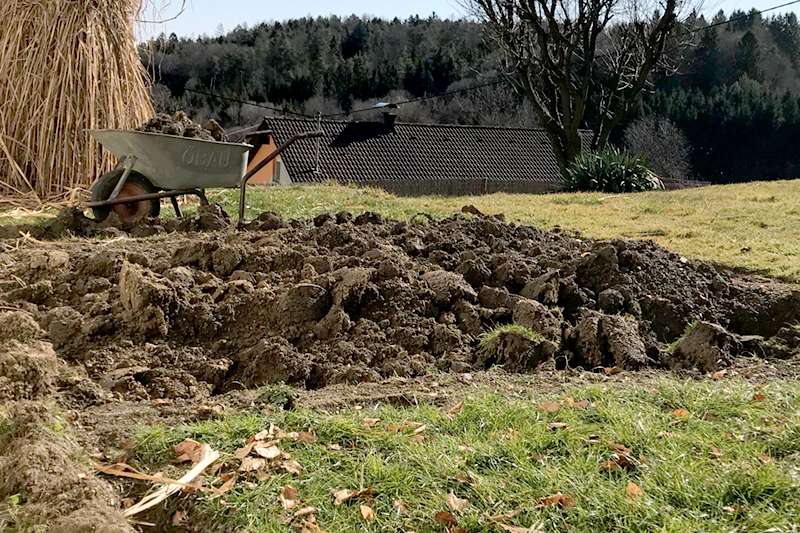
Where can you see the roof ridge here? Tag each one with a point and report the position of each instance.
(420, 124)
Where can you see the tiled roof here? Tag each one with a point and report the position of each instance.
(373, 151)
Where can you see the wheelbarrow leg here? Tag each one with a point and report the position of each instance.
(128, 166)
(176, 207)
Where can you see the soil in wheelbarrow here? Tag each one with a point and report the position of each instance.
(171, 314)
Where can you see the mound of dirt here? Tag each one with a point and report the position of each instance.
(188, 313)
(181, 125)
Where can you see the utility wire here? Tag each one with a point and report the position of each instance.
(424, 98)
(228, 98)
(744, 17)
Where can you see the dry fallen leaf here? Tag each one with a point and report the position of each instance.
(579, 404)
(455, 503)
(759, 397)
(289, 497)
(267, 452)
(456, 410)
(561, 500)
(716, 452)
(610, 371)
(245, 450)
(367, 512)
(633, 490)
(553, 426)
(445, 518)
(550, 407)
(344, 495)
(251, 464)
(620, 448)
(680, 413)
(719, 374)
(306, 437)
(371, 422)
(335, 447)
(229, 482)
(291, 467)
(617, 462)
(394, 428)
(400, 507)
(188, 451)
(418, 439)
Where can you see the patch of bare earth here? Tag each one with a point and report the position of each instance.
(182, 320)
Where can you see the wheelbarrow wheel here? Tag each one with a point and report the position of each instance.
(131, 212)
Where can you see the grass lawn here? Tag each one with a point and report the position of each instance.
(670, 455)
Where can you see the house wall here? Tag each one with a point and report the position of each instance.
(266, 174)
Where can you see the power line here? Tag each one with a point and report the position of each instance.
(424, 98)
(744, 17)
(228, 98)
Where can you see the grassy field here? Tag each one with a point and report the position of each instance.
(752, 225)
(673, 456)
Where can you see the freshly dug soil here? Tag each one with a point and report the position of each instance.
(181, 125)
(189, 309)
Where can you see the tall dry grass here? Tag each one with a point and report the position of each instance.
(65, 66)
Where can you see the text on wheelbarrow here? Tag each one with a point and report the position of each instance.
(206, 159)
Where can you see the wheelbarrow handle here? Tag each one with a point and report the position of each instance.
(264, 162)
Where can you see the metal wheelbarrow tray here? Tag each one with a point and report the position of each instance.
(154, 166)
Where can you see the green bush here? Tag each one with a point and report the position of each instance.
(611, 171)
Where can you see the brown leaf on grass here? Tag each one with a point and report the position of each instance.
(765, 458)
(610, 371)
(579, 404)
(593, 439)
(335, 447)
(188, 451)
(245, 450)
(445, 518)
(759, 397)
(289, 497)
(251, 464)
(616, 463)
(367, 513)
(550, 407)
(371, 422)
(620, 448)
(716, 452)
(719, 374)
(455, 410)
(267, 452)
(344, 495)
(417, 439)
(553, 426)
(400, 507)
(229, 481)
(680, 413)
(307, 437)
(291, 467)
(557, 499)
(633, 491)
(455, 503)
(394, 428)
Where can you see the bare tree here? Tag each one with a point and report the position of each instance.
(569, 55)
(662, 144)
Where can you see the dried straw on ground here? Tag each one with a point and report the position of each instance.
(65, 66)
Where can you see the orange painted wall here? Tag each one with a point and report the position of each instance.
(265, 174)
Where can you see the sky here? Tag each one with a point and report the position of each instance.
(206, 16)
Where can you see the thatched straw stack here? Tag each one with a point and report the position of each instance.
(65, 66)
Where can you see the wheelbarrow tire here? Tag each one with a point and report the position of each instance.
(134, 185)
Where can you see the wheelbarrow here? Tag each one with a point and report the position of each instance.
(153, 166)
